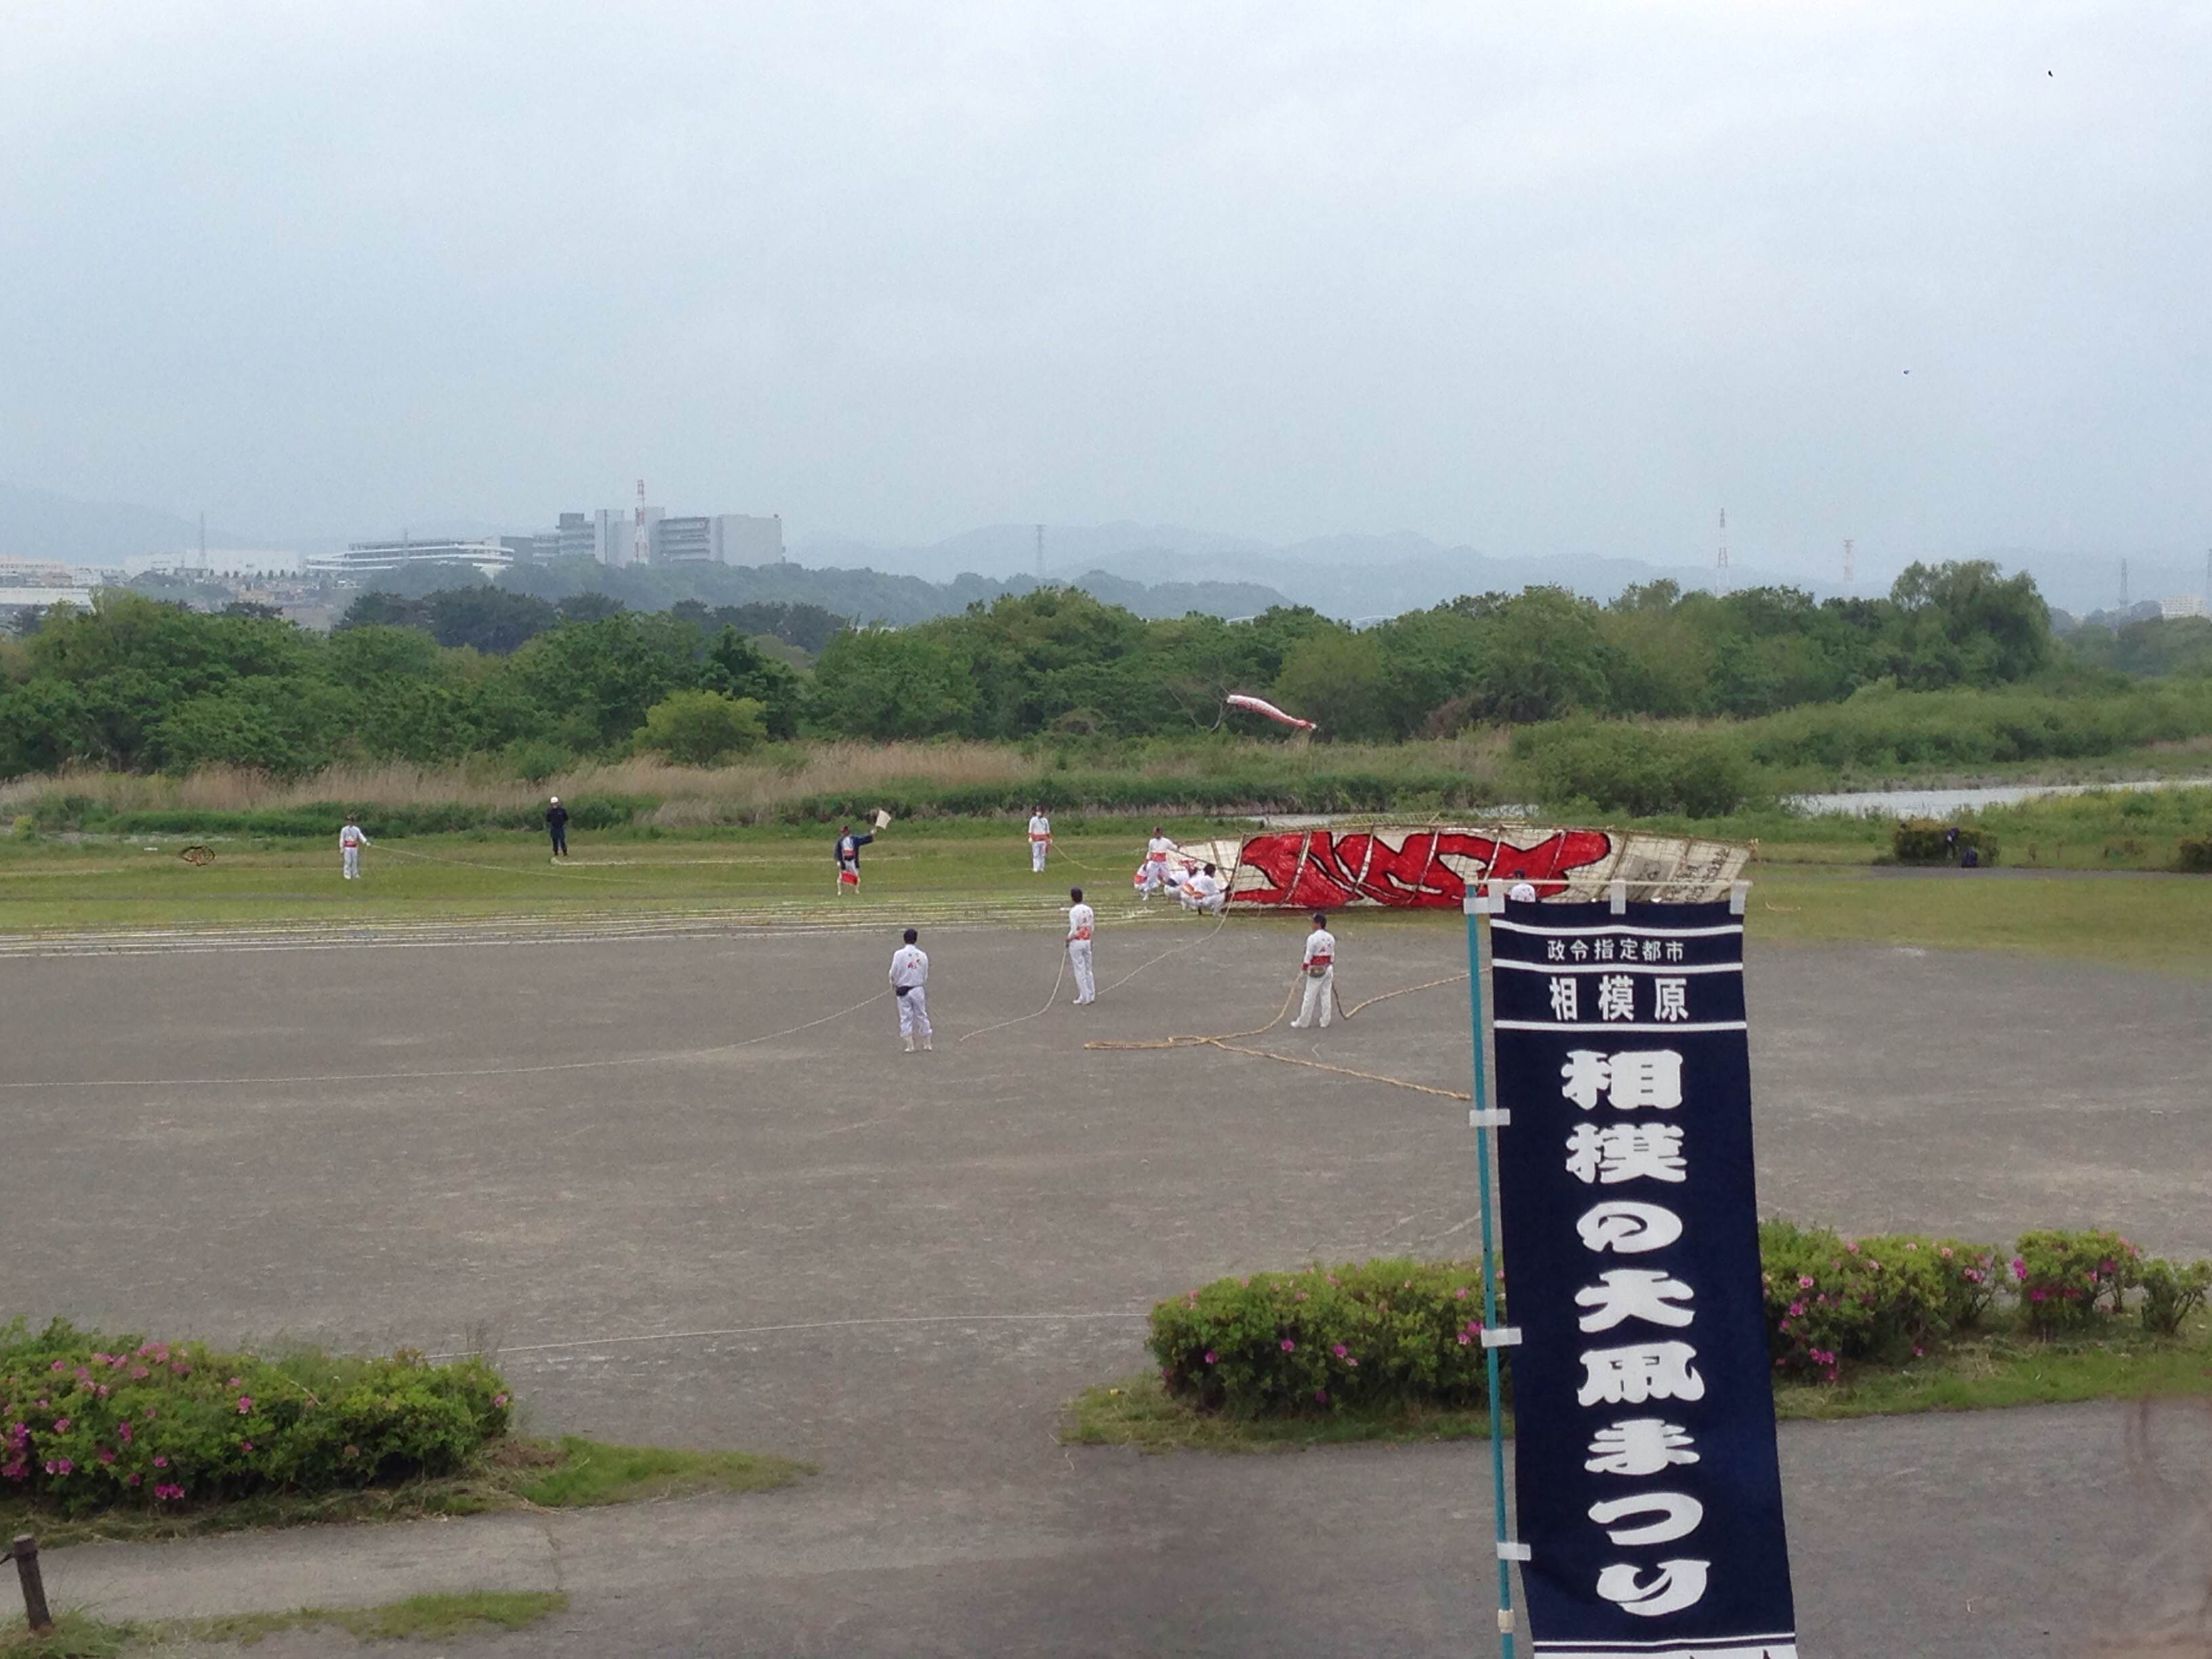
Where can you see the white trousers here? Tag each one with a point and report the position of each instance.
(1211, 907)
(1036, 856)
(352, 862)
(1318, 995)
(1155, 876)
(914, 1013)
(1078, 957)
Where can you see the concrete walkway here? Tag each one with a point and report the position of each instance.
(1990, 1535)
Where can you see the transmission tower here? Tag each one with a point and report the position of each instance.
(1720, 559)
(2123, 584)
(1847, 564)
(640, 539)
(1039, 544)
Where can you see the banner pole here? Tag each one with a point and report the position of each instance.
(1476, 906)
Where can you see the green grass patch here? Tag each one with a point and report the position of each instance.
(417, 1618)
(1974, 1374)
(1815, 882)
(590, 1471)
(519, 1472)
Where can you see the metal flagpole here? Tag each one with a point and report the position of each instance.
(1484, 1123)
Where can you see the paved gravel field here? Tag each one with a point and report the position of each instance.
(900, 1265)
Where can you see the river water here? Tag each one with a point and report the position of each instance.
(1930, 803)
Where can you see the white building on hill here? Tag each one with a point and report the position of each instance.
(362, 559)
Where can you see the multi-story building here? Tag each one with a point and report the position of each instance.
(2182, 605)
(486, 554)
(719, 538)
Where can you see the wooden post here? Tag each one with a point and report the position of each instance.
(26, 1551)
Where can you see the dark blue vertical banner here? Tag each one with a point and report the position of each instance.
(1649, 1491)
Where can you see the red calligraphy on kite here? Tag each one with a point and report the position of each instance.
(1320, 869)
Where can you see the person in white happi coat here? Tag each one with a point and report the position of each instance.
(1156, 863)
(909, 977)
(1319, 966)
(1040, 840)
(1203, 892)
(1082, 922)
(350, 841)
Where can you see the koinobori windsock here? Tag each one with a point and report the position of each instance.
(1261, 706)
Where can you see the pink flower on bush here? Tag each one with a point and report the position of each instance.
(1288, 1345)
(168, 1490)
(1796, 1310)
(1910, 1245)
(1210, 1358)
(130, 1479)
(1464, 1339)
(235, 1382)
(1852, 1244)
(60, 1364)
(1321, 1397)
(60, 1426)
(1804, 1282)
(501, 1400)
(2019, 1269)
(2035, 1296)
(138, 1373)
(106, 1455)
(1338, 1350)
(246, 1404)
(1946, 1253)
(160, 1461)
(123, 1428)
(61, 1466)
(1460, 1295)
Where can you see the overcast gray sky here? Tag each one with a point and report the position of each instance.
(1538, 277)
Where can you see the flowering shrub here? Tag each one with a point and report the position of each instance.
(1889, 1298)
(1380, 1332)
(1402, 1331)
(2068, 1280)
(88, 1421)
(2171, 1293)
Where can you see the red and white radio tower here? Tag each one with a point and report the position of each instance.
(640, 539)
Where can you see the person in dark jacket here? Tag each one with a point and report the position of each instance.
(556, 823)
(849, 857)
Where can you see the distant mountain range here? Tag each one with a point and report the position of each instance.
(1155, 570)
(1354, 576)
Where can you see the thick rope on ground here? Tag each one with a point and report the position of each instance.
(1051, 997)
(1229, 1042)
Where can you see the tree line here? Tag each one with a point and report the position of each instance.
(139, 684)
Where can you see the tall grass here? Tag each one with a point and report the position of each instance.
(785, 781)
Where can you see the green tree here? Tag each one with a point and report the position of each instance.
(1339, 682)
(881, 683)
(697, 728)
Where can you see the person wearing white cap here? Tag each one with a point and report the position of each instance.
(909, 981)
(556, 822)
(350, 841)
(1522, 892)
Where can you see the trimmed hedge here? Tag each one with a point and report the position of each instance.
(1397, 1332)
(89, 1421)
(1379, 1332)
(1924, 841)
